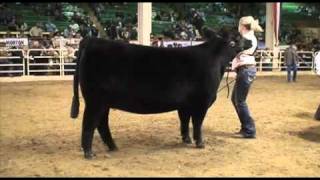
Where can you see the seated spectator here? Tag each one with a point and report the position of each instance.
(74, 27)
(59, 41)
(75, 41)
(84, 30)
(54, 56)
(22, 26)
(12, 26)
(35, 44)
(17, 61)
(50, 27)
(77, 18)
(68, 32)
(112, 31)
(36, 31)
(94, 30)
(57, 14)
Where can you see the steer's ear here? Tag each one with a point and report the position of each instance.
(225, 33)
(208, 33)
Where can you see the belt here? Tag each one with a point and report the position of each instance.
(245, 67)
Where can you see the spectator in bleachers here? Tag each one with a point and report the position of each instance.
(50, 27)
(35, 44)
(198, 21)
(54, 57)
(111, 30)
(57, 14)
(12, 26)
(94, 30)
(46, 42)
(84, 30)
(17, 61)
(77, 18)
(160, 42)
(3, 19)
(74, 27)
(119, 26)
(157, 17)
(74, 41)
(68, 32)
(21, 25)
(36, 31)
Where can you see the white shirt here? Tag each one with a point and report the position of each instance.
(246, 56)
(317, 62)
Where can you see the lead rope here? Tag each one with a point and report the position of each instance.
(227, 84)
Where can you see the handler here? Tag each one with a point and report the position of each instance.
(245, 66)
(317, 63)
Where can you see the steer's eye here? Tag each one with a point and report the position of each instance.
(232, 43)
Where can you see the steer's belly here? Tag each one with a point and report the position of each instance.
(144, 108)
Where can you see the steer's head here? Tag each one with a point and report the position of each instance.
(225, 44)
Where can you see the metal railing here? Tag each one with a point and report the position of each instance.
(265, 58)
(63, 64)
(9, 67)
(307, 62)
(55, 63)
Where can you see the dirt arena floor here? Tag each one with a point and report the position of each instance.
(38, 138)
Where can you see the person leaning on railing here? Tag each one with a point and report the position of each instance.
(19, 60)
(3, 60)
(36, 31)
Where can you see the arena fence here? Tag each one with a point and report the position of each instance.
(265, 58)
(13, 64)
(61, 64)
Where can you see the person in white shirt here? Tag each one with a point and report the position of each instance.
(317, 65)
(244, 65)
(317, 61)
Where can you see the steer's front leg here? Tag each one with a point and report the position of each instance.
(197, 119)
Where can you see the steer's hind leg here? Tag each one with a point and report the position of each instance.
(104, 131)
(91, 118)
(197, 119)
(184, 117)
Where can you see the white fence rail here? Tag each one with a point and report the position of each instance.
(38, 62)
(12, 64)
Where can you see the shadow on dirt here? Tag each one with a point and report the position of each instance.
(310, 134)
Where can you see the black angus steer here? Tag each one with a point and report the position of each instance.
(146, 80)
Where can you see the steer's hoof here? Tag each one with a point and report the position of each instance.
(200, 145)
(89, 155)
(186, 140)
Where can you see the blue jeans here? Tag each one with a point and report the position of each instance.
(244, 79)
(292, 67)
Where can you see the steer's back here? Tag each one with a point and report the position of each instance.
(143, 79)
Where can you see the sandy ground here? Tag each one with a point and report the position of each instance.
(37, 137)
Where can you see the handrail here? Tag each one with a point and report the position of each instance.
(64, 66)
(22, 64)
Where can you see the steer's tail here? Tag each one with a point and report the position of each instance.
(75, 99)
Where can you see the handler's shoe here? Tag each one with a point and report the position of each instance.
(243, 134)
